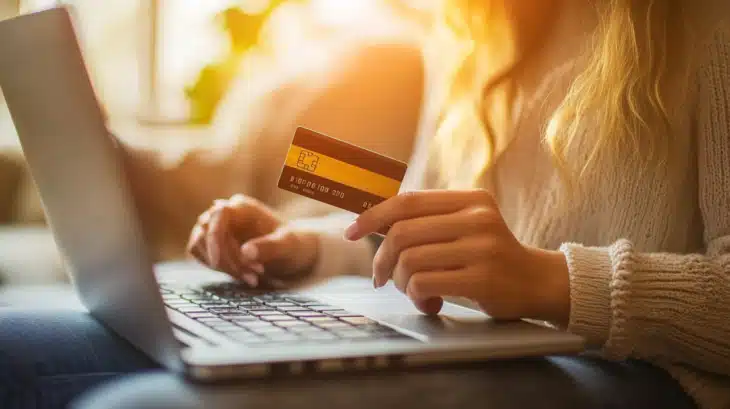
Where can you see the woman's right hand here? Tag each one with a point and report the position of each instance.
(243, 237)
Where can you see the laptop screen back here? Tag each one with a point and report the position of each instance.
(76, 166)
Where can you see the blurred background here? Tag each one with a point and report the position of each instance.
(206, 95)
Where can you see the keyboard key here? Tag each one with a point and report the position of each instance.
(187, 310)
(318, 320)
(221, 323)
(233, 315)
(259, 308)
(245, 304)
(280, 304)
(358, 320)
(335, 324)
(299, 299)
(223, 310)
(302, 314)
(291, 309)
(263, 313)
(277, 318)
(215, 305)
(211, 320)
(199, 315)
(289, 324)
(255, 324)
(245, 319)
(341, 314)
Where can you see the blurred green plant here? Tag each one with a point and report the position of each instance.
(243, 31)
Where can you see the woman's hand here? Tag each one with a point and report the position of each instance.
(455, 243)
(242, 237)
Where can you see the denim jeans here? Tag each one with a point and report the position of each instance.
(49, 359)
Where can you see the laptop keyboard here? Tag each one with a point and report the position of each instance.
(263, 319)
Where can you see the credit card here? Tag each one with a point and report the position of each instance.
(339, 173)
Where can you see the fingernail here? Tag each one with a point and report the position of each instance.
(376, 284)
(352, 231)
(258, 268)
(250, 251)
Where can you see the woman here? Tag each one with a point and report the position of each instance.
(604, 123)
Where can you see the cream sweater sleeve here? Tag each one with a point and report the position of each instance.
(672, 308)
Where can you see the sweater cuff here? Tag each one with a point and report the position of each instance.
(590, 271)
(337, 256)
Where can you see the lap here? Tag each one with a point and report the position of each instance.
(47, 358)
(555, 382)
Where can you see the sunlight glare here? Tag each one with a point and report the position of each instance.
(339, 12)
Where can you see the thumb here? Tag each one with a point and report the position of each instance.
(428, 306)
(283, 249)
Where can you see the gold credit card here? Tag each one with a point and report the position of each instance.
(339, 173)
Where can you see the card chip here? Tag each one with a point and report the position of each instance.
(308, 161)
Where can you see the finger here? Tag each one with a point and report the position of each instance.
(204, 218)
(271, 248)
(198, 253)
(448, 256)
(231, 263)
(429, 306)
(196, 243)
(426, 230)
(458, 283)
(248, 214)
(251, 279)
(413, 205)
(217, 239)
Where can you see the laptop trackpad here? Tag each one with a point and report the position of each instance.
(391, 307)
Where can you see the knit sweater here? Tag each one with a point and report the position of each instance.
(648, 254)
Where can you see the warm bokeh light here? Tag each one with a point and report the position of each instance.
(191, 37)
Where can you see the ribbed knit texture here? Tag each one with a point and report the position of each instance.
(648, 253)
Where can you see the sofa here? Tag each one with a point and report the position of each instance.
(28, 254)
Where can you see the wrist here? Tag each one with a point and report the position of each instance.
(552, 286)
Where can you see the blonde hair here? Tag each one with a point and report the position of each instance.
(622, 87)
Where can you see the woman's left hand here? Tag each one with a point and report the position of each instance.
(456, 243)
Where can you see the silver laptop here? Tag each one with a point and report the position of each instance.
(207, 328)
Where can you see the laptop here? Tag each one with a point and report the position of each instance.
(204, 325)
